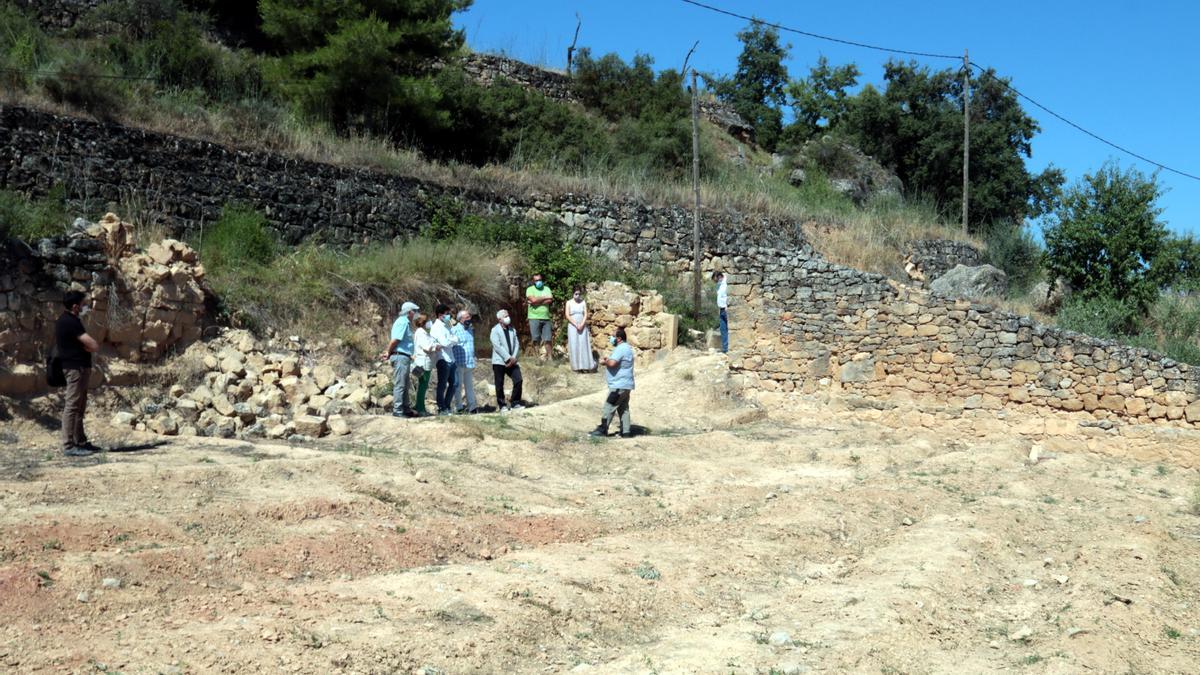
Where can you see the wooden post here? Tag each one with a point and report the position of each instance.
(696, 193)
(966, 138)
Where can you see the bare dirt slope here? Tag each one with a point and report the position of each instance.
(830, 537)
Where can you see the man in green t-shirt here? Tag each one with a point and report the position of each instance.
(540, 298)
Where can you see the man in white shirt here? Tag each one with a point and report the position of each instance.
(722, 304)
(447, 371)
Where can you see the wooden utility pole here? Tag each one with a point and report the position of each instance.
(966, 136)
(696, 193)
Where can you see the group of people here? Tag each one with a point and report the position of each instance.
(444, 343)
(420, 346)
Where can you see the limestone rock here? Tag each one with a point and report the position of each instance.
(971, 282)
(310, 425)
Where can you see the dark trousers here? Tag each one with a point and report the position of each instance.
(499, 371)
(74, 406)
(447, 382)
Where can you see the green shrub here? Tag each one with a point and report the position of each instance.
(240, 237)
(24, 47)
(1101, 317)
(79, 80)
(1173, 328)
(32, 219)
(1014, 250)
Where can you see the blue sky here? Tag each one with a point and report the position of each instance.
(1123, 69)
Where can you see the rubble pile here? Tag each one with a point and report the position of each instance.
(251, 389)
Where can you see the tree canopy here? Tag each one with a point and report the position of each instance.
(757, 88)
(1106, 238)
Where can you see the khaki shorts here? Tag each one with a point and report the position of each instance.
(539, 330)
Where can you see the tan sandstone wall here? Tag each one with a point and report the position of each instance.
(144, 304)
(802, 323)
(649, 327)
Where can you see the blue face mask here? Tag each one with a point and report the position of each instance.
(613, 340)
(539, 283)
(446, 318)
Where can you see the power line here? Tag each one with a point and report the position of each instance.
(1016, 91)
(818, 36)
(1096, 136)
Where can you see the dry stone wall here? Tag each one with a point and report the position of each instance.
(143, 303)
(802, 323)
(648, 326)
(184, 183)
(935, 257)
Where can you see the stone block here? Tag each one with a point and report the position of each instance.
(1116, 403)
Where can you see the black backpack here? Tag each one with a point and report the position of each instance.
(54, 370)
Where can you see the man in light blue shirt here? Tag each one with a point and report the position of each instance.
(399, 353)
(618, 373)
(464, 358)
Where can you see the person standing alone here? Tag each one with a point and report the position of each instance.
(618, 372)
(540, 298)
(723, 306)
(75, 348)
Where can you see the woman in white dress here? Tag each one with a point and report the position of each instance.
(579, 336)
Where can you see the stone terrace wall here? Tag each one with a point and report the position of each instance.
(58, 14)
(487, 68)
(935, 257)
(185, 183)
(800, 322)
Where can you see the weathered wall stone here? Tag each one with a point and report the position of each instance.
(143, 303)
(802, 323)
(56, 15)
(649, 328)
(184, 183)
(935, 257)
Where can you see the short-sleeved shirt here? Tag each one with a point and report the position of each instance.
(402, 332)
(67, 330)
(464, 351)
(621, 375)
(541, 312)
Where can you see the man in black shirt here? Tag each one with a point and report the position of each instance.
(75, 348)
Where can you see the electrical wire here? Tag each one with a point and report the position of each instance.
(1094, 135)
(932, 55)
(818, 36)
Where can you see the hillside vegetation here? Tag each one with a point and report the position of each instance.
(380, 85)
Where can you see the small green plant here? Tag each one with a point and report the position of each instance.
(30, 219)
(1162, 470)
(647, 571)
(52, 545)
(240, 237)
(1172, 632)
(1172, 575)
(1031, 659)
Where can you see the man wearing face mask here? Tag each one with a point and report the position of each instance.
(464, 357)
(447, 371)
(505, 348)
(618, 372)
(75, 348)
(540, 297)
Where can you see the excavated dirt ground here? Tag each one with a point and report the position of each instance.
(828, 537)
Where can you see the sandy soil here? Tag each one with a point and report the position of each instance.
(831, 536)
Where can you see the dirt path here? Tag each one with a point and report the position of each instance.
(828, 537)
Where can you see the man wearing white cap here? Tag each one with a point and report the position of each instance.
(399, 354)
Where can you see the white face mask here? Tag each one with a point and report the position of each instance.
(505, 320)
(428, 325)
(85, 310)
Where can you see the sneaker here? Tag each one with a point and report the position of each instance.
(628, 435)
(410, 413)
(473, 411)
(76, 451)
(599, 433)
(92, 447)
(516, 406)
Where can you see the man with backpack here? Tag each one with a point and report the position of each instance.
(74, 351)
